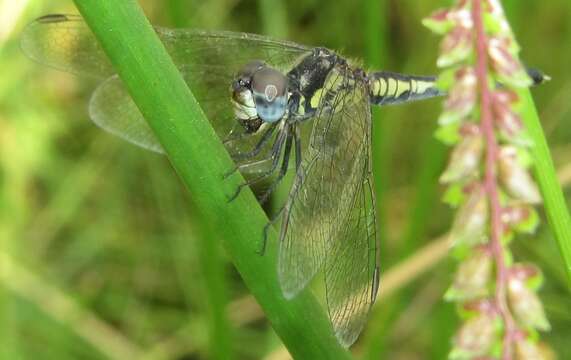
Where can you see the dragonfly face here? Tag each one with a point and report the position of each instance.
(259, 95)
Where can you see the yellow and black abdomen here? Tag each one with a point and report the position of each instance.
(388, 88)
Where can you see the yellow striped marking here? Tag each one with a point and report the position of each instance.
(301, 107)
(393, 87)
(382, 87)
(316, 98)
(422, 86)
(376, 88)
(403, 86)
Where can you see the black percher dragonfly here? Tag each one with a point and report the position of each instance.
(259, 94)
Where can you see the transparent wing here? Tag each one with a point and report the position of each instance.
(208, 60)
(329, 219)
(66, 43)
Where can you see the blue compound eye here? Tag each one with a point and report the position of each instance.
(269, 88)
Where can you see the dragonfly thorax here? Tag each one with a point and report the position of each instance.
(259, 95)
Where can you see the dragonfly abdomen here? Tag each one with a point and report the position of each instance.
(388, 88)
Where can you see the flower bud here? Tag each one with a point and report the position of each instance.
(507, 121)
(515, 178)
(529, 274)
(440, 22)
(528, 349)
(455, 47)
(476, 337)
(521, 217)
(525, 304)
(445, 21)
(470, 224)
(504, 61)
(461, 97)
(465, 158)
(473, 277)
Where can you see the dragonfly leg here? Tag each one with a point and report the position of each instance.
(283, 170)
(233, 136)
(297, 140)
(299, 177)
(256, 150)
(272, 221)
(275, 156)
(259, 146)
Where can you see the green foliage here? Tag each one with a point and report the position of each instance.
(107, 225)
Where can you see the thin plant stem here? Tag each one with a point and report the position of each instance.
(490, 179)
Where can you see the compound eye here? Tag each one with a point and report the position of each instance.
(251, 68)
(243, 79)
(269, 88)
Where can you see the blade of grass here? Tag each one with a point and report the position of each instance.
(215, 284)
(200, 160)
(554, 201)
(212, 264)
(274, 17)
(432, 158)
(375, 30)
(63, 308)
(375, 47)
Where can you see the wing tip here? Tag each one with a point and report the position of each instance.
(290, 289)
(102, 120)
(346, 339)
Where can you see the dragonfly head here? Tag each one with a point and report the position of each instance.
(259, 95)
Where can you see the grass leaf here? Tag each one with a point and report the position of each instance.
(554, 202)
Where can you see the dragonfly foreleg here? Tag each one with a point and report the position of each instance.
(259, 146)
(275, 156)
(253, 153)
(283, 170)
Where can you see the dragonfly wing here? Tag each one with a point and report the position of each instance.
(66, 43)
(352, 268)
(329, 219)
(112, 109)
(208, 60)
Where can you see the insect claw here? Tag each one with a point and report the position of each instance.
(262, 250)
(238, 190)
(229, 173)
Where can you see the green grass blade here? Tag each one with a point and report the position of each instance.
(215, 284)
(554, 201)
(375, 48)
(200, 160)
(274, 17)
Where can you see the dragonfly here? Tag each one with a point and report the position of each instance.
(261, 95)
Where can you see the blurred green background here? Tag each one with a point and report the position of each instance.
(101, 256)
